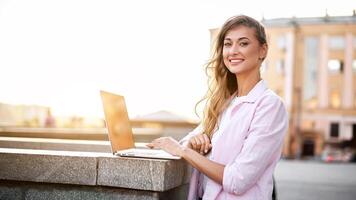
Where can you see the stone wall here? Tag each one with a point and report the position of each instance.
(44, 174)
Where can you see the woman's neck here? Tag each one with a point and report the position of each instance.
(246, 83)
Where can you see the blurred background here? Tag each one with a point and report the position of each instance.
(55, 57)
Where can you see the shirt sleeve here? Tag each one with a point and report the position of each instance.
(261, 147)
(191, 134)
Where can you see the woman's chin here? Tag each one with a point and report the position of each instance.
(235, 70)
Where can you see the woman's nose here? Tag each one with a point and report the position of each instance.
(234, 49)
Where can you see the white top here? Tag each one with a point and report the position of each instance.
(224, 121)
(249, 145)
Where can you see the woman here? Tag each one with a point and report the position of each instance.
(244, 122)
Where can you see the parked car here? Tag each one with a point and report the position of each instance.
(336, 153)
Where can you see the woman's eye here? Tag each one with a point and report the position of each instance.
(227, 44)
(243, 44)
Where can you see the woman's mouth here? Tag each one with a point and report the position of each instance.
(236, 61)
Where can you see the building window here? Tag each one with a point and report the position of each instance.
(311, 103)
(280, 67)
(335, 99)
(337, 43)
(311, 50)
(282, 42)
(335, 66)
(334, 130)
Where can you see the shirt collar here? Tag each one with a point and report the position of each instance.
(256, 92)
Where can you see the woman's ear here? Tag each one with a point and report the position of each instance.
(263, 51)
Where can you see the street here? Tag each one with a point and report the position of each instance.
(313, 180)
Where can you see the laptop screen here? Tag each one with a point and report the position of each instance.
(117, 121)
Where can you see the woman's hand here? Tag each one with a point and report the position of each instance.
(200, 143)
(168, 144)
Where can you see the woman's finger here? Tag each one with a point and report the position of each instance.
(202, 142)
(207, 145)
(198, 143)
(150, 145)
(155, 143)
(193, 143)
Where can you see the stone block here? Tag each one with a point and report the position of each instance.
(13, 190)
(142, 174)
(48, 166)
(40, 174)
(43, 191)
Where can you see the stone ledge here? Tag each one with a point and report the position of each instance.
(55, 144)
(13, 190)
(47, 166)
(58, 144)
(85, 168)
(75, 133)
(143, 174)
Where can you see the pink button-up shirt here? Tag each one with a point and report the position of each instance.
(249, 146)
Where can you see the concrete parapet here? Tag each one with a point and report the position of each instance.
(52, 174)
(12, 190)
(143, 174)
(55, 144)
(48, 166)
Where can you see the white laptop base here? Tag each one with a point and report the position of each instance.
(146, 153)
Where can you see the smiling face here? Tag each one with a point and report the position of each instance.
(242, 52)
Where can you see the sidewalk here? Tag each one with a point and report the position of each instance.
(312, 180)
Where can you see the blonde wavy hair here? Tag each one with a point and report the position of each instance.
(223, 83)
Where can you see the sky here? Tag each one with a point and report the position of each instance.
(62, 53)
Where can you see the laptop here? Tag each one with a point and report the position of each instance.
(120, 131)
